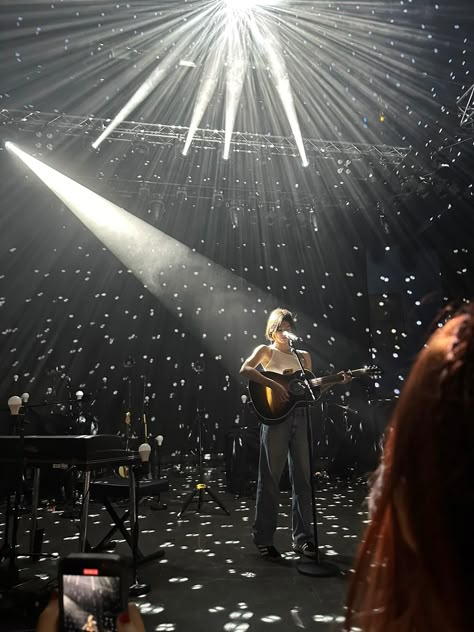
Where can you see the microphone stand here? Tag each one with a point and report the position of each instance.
(316, 567)
(156, 504)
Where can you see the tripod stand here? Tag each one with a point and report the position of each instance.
(200, 487)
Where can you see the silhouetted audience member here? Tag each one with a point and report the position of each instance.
(415, 567)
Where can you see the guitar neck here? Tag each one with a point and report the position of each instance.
(336, 378)
(326, 379)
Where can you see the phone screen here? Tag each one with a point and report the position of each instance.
(91, 603)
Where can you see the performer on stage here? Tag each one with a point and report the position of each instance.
(286, 440)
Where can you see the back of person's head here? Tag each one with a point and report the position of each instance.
(415, 566)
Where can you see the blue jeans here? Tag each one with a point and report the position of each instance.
(287, 440)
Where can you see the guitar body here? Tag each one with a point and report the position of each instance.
(271, 412)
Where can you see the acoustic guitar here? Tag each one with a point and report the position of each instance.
(271, 412)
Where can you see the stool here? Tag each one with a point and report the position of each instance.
(113, 489)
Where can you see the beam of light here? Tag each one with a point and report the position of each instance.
(215, 305)
(271, 45)
(183, 35)
(238, 61)
(206, 91)
(143, 91)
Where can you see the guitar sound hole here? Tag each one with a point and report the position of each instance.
(296, 388)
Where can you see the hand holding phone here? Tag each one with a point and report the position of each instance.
(93, 591)
(128, 621)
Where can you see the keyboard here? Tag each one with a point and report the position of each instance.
(85, 451)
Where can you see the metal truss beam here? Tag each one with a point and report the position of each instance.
(157, 134)
(465, 105)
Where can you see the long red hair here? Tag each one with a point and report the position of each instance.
(415, 566)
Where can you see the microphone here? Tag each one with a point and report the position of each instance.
(290, 336)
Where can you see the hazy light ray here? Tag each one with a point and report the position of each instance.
(166, 266)
(238, 61)
(206, 91)
(188, 284)
(186, 34)
(272, 47)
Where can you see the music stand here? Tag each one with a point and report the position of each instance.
(200, 487)
(316, 567)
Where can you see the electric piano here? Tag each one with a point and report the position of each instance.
(85, 452)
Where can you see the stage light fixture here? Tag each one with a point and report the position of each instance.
(384, 224)
(142, 205)
(157, 208)
(235, 212)
(313, 219)
(217, 198)
(182, 194)
(141, 148)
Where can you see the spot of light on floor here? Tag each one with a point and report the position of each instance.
(325, 618)
(178, 580)
(236, 627)
(216, 609)
(148, 608)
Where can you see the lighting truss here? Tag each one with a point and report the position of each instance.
(465, 105)
(157, 134)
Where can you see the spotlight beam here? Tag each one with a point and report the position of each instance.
(213, 303)
(183, 35)
(272, 47)
(205, 94)
(238, 61)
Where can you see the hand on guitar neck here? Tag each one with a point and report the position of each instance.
(339, 378)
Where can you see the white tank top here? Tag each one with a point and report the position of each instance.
(282, 362)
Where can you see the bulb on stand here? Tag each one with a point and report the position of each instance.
(144, 451)
(14, 404)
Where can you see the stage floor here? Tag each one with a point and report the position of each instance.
(212, 576)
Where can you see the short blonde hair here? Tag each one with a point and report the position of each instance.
(276, 318)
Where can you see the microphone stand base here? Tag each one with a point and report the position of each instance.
(315, 568)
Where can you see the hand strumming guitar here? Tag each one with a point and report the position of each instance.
(280, 392)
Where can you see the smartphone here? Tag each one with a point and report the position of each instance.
(93, 591)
